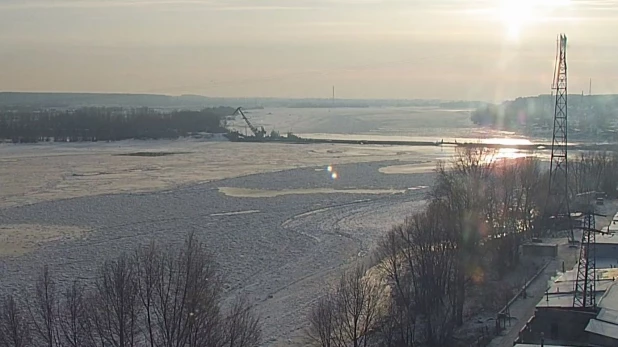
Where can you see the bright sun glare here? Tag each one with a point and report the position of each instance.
(515, 15)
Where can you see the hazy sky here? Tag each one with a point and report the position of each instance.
(454, 49)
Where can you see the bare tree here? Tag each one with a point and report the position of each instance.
(482, 199)
(323, 322)
(162, 298)
(180, 295)
(511, 208)
(357, 300)
(433, 254)
(399, 327)
(347, 316)
(148, 262)
(460, 196)
(74, 321)
(242, 326)
(44, 310)
(594, 171)
(114, 304)
(14, 326)
(531, 193)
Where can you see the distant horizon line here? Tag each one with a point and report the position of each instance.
(329, 99)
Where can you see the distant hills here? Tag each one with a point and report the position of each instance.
(76, 100)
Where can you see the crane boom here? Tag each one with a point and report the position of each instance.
(255, 130)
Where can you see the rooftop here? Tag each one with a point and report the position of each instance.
(561, 290)
(607, 315)
(606, 322)
(608, 238)
(609, 300)
(561, 300)
(602, 328)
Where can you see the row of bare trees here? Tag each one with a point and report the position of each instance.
(479, 212)
(153, 297)
(594, 171)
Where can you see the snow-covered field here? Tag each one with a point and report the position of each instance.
(280, 225)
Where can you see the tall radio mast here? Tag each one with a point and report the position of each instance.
(558, 179)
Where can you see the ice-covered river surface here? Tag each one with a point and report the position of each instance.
(280, 223)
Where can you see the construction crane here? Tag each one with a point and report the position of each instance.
(584, 295)
(558, 172)
(256, 132)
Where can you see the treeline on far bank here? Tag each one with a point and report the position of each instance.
(107, 124)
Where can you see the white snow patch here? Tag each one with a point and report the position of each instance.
(234, 213)
(266, 193)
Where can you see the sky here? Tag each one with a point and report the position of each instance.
(488, 50)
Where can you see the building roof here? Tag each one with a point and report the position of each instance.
(561, 290)
(606, 322)
(556, 300)
(609, 300)
(609, 316)
(608, 238)
(602, 328)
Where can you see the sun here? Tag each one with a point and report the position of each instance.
(516, 15)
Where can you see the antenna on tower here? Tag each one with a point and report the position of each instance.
(590, 88)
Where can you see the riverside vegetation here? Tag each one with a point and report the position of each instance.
(429, 269)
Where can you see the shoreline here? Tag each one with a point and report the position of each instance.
(479, 144)
(472, 143)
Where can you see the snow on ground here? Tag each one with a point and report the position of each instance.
(16, 240)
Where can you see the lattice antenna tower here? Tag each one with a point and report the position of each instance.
(558, 179)
(585, 284)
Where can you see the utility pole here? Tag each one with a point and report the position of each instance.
(558, 178)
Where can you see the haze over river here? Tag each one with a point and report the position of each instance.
(397, 123)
